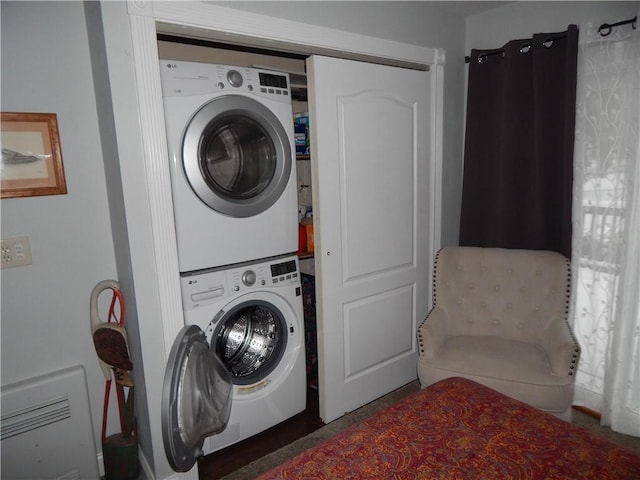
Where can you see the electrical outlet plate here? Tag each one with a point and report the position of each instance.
(16, 252)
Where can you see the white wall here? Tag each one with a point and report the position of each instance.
(45, 306)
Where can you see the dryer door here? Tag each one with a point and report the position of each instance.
(237, 156)
(196, 398)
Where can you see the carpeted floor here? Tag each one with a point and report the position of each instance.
(274, 459)
(585, 421)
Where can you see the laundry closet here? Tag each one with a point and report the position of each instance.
(175, 48)
(362, 180)
(376, 118)
(374, 206)
(236, 141)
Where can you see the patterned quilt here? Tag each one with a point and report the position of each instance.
(458, 429)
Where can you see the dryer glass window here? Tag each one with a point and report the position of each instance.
(250, 341)
(237, 157)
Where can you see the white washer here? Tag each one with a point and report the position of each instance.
(232, 163)
(238, 366)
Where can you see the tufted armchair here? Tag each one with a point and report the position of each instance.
(500, 318)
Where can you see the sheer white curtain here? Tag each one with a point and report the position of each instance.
(606, 225)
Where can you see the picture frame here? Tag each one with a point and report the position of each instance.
(31, 163)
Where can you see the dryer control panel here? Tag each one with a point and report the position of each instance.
(192, 78)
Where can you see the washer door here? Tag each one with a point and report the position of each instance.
(250, 339)
(196, 398)
(236, 156)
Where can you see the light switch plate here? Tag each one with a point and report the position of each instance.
(16, 252)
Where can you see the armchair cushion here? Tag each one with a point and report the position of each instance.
(500, 318)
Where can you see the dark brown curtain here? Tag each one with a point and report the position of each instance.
(518, 162)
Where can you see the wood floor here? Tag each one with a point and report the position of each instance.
(227, 460)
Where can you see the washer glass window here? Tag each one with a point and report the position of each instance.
(196, 398)
(250, 340)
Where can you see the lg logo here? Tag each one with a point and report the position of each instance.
(172, 65)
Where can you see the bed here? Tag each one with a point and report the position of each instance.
(459, 429)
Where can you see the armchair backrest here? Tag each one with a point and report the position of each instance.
(517, 294)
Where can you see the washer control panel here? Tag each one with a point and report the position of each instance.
(284, 272)
(249, 278)
(205, 287)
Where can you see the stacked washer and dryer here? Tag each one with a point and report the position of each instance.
(238, 366)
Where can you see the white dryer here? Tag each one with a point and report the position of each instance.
(232, 163)
(238, 367)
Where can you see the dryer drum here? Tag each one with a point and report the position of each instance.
(251, 342)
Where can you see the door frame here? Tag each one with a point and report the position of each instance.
(150, 265)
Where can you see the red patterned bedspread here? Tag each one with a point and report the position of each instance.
(458, 429)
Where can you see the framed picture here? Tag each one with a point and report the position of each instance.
(31, 162)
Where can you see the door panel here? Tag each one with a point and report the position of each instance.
(369, 176)
(370, 156)
(372, 344)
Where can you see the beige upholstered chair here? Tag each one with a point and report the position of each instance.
(500, 319)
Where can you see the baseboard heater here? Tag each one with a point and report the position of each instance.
(46, 429)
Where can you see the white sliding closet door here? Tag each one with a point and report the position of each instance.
(370, 154)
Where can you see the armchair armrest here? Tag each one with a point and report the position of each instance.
(432, 332)
(562, 349)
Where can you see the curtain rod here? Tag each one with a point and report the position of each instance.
(524, 48)
(608, 27)
(604, 30)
